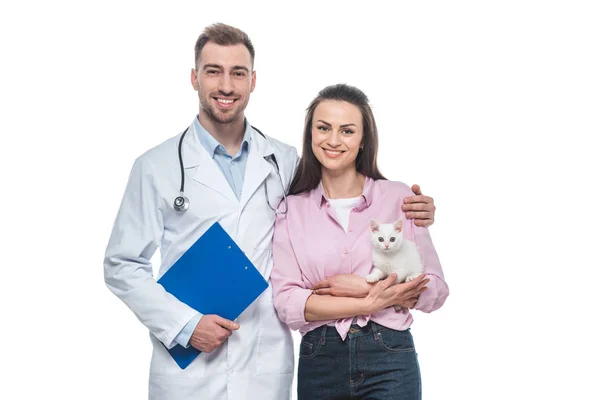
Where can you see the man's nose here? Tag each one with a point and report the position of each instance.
(225, 86)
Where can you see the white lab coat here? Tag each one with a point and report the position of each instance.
(257, 361)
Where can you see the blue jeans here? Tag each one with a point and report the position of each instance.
(373, 363)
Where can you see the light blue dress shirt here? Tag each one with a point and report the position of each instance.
(233, 169)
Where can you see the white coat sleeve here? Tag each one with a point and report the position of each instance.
(136, 235)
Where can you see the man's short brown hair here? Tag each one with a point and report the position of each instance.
(223, 35)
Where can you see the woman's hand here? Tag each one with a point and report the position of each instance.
(385, 294)
(343, 285)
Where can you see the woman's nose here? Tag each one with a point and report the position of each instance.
(334, 140)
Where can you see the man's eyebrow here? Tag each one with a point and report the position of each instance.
(217, 66)
(241, 67)
(220, 67)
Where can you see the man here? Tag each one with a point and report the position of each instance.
(230, 178)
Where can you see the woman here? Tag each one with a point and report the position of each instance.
(355, 343)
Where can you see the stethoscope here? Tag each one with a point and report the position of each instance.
(182, 203)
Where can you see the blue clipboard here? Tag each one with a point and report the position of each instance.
(213, 276)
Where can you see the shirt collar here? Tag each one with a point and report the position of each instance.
(318, 194)
(212, 145)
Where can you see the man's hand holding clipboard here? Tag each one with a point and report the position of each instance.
(211, 332)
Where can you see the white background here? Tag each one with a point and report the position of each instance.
(493, 107)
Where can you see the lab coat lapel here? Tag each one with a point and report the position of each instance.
(206, 170)
(257, 168)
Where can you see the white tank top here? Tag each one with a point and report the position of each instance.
(342, 209)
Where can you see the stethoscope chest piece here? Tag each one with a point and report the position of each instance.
(181, 203)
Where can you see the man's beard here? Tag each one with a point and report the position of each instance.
(218, 116)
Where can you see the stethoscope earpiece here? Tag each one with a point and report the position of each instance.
(181, 203)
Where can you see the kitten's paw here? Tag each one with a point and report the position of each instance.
(372, 278)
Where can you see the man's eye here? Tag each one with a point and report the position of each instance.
(381, 239)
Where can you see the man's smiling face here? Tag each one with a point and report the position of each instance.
(224, 79)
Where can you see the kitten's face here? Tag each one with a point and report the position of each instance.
(386, 237)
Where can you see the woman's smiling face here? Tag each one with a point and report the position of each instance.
(337, 132)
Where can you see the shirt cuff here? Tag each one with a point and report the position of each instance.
(183, 338)
(434, 297)
(294, 310)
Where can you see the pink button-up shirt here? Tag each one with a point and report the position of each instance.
(310, 245)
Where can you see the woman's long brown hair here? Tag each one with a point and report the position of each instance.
(308, 174)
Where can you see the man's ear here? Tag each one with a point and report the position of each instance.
(194, 79)
(253, 85)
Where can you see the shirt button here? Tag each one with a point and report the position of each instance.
(345, 251)
(350, 230)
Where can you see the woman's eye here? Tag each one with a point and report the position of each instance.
(322, 128)
(381, 239)
(347, 132)
(392, 239)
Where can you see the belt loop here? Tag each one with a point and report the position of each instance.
(375, 330)
(324, 334)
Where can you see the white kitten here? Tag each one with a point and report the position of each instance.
(391, 253)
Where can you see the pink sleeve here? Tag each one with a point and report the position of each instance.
(289, 291)
(437, 289)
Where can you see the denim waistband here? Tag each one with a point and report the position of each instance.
(355, 330)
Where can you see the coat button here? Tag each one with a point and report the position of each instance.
(345, 251)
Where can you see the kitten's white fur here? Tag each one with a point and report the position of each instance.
(393, 255)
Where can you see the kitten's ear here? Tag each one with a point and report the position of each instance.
(374, 226)
(398, 225)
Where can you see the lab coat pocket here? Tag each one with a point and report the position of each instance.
(162, 364)
(275, 345)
